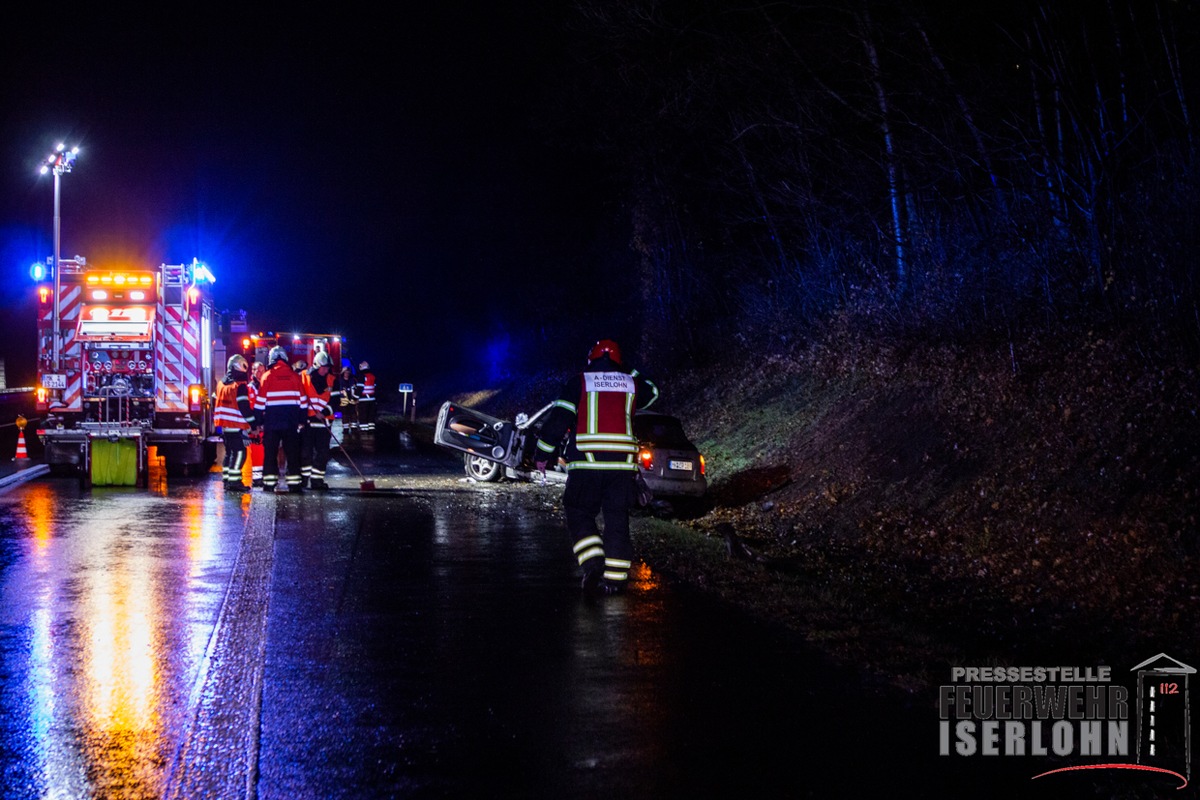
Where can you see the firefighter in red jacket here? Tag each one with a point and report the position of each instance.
(282, 404)
(234, 412)
(364, 392)
(597, 407)
(314, 439)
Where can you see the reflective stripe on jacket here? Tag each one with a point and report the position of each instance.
(318, 399)
(281, 398)
(604, 415)
(229, 412)
(597, 407)
(366, 386)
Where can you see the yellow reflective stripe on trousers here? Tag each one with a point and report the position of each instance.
(588, 541)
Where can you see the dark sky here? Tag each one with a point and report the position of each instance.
(383, 176)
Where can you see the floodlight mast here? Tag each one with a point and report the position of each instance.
(60, 161)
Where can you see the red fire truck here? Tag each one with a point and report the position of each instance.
(299, 346)
(126, 361)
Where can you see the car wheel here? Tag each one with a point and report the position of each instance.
(481, 469)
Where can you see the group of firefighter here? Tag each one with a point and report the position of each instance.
(281, 408)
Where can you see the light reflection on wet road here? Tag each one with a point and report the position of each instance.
(432, 643)
(107, 600)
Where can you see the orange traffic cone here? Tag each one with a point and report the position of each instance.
(21, 451)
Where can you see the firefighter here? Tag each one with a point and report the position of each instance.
(234, 412)
(314, 442)
(282, 404)
(364, 393)
(349, 404)
(257, 370)
(596, 407)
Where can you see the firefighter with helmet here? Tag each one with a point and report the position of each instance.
(364, 392)
(314, 439)
(281, 402)
(234, 412)
(596, 406)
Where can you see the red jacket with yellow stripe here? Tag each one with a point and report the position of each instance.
(597, 406)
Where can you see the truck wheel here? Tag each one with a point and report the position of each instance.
(481, 469)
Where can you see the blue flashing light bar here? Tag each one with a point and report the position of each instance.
(201, 273)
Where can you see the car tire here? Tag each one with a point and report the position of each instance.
(481, 469)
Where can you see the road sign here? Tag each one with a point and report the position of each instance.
(405, 387)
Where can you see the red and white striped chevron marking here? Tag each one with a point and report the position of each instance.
(71, 351)
(190, 367)
(168, 378)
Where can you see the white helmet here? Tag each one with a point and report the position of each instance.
(321, 359)
(363, 365)
(277, 354)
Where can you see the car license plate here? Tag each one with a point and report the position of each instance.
(680, 465)
(54, 381)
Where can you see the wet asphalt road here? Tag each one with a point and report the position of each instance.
(182, 642)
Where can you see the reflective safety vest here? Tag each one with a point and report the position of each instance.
(226, 413)
(318, 399)
(604, 415)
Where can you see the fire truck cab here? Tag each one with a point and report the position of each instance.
(126, 361)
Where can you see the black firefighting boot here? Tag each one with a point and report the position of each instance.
(593, 581)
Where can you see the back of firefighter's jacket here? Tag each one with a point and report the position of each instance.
(281, 398)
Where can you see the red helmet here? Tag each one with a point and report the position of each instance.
(605, 347)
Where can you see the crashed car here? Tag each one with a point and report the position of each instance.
(670, 463)
(494, 449)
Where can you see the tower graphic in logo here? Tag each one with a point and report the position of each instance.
(1164, 737)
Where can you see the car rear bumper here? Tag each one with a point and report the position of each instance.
(668, 487)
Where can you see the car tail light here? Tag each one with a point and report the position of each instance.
(702, 468)
(41, 397)
(646, 459)
(195, 397)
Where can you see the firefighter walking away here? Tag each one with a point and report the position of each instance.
(597, 407)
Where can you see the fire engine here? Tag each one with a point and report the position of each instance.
(125, 363)
(299, 346)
